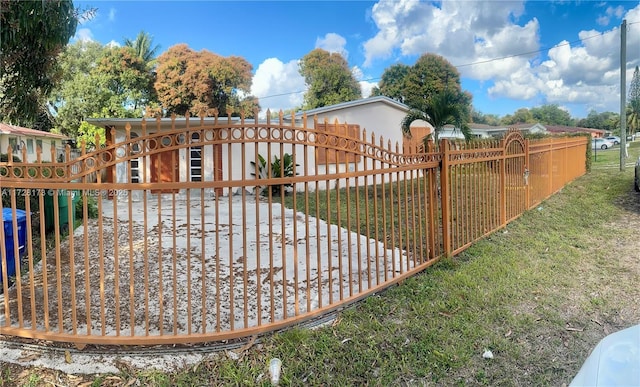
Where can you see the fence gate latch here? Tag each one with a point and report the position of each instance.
(526, 176)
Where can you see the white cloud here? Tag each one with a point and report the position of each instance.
(84, 35)
(521, 84)
(495, 42)
(280, 82)
(333, 43)
(610, 13)
(585, 75)
(112, 44)
(112, 14)
(365, 85)
(463, 32)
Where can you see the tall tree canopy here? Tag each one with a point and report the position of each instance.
(429, 76)
(552, 115)
(77, 95)
(545, 114)
(328, 78)
(32, 34)
(193, 81)
(125, 82)
(392, 83)
(487, 119)
(520, 116)
(100, 81)
(431, 88)
(142, 46)
(416, 85)
(606, 121)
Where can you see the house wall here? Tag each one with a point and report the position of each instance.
(31, 150)
(144, 163)
(379, 118)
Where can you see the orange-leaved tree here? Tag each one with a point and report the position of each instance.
(189, 80)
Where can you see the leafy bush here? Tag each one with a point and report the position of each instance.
(5, 158)
(92, 207)
(279, 167)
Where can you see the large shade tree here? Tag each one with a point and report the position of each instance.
(193, 81)
(125, 82)
(77, 95)
(99, 81)
(431, 75)
(520, 116)
(606, 121)
(549, 114)
(552, 114)
(32, 35)
(431, 88)
(329, 79)
(487, 119)
(392, 83)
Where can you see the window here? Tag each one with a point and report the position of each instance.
(13, 143)
(39, 145)
(336, 133)
(134, 164)
(30, 146)
(53, 144)
(195, 157)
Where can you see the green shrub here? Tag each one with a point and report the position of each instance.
(5, 158)
(92, 208)
(280, 167)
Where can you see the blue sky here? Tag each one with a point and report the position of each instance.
(557, 52)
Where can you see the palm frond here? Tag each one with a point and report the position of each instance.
(413, 115)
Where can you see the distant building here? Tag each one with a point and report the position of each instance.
(29, 140)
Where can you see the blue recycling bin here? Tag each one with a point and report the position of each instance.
(7, 221)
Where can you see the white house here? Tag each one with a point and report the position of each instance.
(28, 140)
(206, 163)
(381, 116)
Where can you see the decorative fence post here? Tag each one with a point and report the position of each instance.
(527, 172)
(503, 184)
(445, 196)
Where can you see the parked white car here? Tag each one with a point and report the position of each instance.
(614, 139)
(615, 361)
(601, 143)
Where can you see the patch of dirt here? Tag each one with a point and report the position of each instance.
(135, 276)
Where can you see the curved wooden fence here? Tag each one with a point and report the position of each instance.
(184, 234)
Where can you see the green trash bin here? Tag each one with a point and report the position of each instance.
(63, 209)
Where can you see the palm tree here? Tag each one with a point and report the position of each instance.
(633, 116)
(444, 109)
(142, 46)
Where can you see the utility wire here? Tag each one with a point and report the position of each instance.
(482, 61)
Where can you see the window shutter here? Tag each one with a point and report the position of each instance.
(333, 133)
